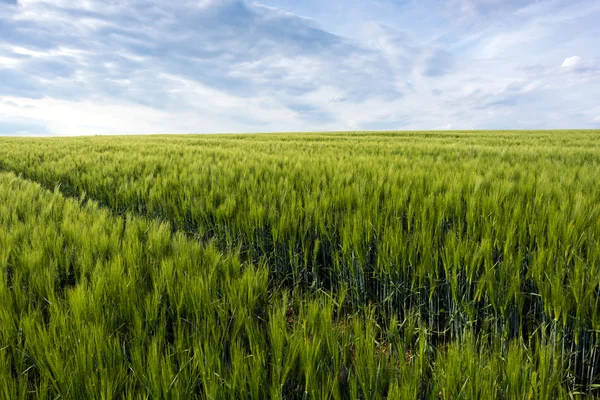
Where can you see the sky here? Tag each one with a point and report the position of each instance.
(76, 67)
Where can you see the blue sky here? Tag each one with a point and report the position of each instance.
(153, 66)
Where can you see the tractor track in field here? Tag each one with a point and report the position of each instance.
(83, 198)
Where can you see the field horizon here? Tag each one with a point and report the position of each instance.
(308, 132)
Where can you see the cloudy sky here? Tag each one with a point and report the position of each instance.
(155, 66)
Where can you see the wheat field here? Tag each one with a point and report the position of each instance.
(301, 266)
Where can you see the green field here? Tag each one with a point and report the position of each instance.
(342, 265)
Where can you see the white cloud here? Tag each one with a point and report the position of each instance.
(9, 62)
(64, 117)
(501, 44)
(571, 63)
(579, 70)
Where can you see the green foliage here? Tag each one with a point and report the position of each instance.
(343, 265)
